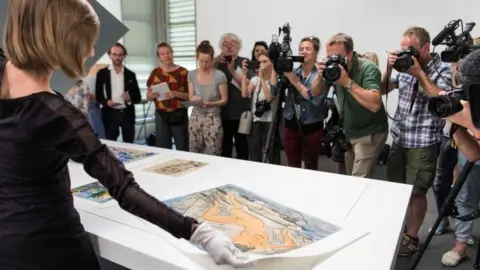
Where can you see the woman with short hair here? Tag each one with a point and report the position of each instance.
(40, 132)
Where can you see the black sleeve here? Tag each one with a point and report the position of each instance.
(135, 94)
(77, 140)
(99, 86)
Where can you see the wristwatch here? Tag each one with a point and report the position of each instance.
(349, 85)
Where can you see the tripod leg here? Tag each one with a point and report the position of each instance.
(444, 211)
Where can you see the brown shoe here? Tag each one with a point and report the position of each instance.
(408, 246)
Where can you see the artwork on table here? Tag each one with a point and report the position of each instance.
(129, 155)
(94, 192)
(176, 167)
(255, 224)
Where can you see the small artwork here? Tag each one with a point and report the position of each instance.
(94, 192)
(176, 167)
(255, 224)
(129, 155)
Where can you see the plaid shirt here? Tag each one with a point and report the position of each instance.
(419, 128)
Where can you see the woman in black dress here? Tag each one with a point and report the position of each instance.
(40, 131)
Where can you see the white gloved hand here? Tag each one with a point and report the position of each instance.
(219, 247)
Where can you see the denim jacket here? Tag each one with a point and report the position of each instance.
(311, 110)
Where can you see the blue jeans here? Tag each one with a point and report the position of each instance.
(467, 200)
(95, 118)
(447, 159)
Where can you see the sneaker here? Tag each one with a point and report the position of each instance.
(408, 246)
(443, 227)
(470, 241)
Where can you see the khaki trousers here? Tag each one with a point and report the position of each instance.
(361, 159)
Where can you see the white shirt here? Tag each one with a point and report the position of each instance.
(118, 87)
(260, 94)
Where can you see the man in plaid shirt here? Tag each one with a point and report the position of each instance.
(416, 133)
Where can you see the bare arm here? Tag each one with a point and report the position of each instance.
(370, 99)
(181, 94)
(191, 91)
(318, 86)
(247, 87)
(391, 85)
(467, 144)
(368, 94)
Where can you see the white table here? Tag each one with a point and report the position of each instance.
(376, 206)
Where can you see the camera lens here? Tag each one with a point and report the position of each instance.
(443, 106)
(403, 63)
(332, 73)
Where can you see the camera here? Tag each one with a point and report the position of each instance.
(281, 54)
(332, 70)
(336, 139)
(443, 106)
(404, 60)
(261, 107)
(458, 46)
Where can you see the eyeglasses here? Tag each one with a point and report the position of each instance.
(115, 54)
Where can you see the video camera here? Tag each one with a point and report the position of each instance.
(281, 54)
(332, 70)
(458, 46)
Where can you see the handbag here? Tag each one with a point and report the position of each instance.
(174, 118)
(246, 118)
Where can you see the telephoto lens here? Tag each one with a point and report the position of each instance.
(443, 106)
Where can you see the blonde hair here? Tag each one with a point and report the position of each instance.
(233, 36)
(42, 35)
(371, 56)
(476, 41)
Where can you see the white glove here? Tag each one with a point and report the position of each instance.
(219, 246)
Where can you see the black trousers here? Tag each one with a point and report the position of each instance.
(114, 120)
(164, 133)
(230, 128)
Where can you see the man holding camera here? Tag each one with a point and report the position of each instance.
(357, 86)
(416, 132)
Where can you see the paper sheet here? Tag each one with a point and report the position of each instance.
(234, 82)
(93, 194)
(187, 104)
(295, 240)
(176, 167)
(129, 155)
(162, 89)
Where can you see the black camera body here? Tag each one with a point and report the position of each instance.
(332, 70)
(262, 107)
(404, 60)
(458, 46)
(281, 54)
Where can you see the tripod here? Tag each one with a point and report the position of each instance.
(273, 138)
(445, 211)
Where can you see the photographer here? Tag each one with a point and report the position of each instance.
(357, 86)
(261, 90)
(416, 132)
(230, 64)
(306, 131)
(468, 198)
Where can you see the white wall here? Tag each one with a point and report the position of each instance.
(114, 7)
(375, 25)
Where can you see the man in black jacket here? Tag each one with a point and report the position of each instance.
(116, 88)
